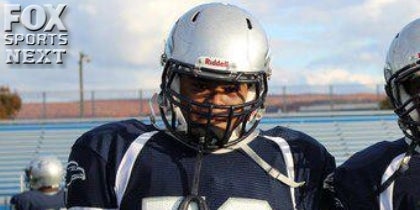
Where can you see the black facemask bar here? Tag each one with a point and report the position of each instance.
(209, 141)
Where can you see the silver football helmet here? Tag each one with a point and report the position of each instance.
(216, 42)
(402, 75)
(44, 171)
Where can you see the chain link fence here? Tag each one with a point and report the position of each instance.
(135, 103)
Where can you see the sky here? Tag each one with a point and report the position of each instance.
(323, 42)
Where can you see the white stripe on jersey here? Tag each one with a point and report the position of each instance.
(385, 198)
(288, 159)
(173, 202)
(127, 163)
(87, 208)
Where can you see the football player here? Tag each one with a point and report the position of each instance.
(43, 176)
(386, 175)
(210, 155)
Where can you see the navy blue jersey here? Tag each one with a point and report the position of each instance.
(129, 165)
(357, 180)
(36, 200)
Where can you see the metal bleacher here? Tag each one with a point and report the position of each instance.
(19, 145)
(17, 148)
(343, 139)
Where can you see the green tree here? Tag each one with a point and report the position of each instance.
(10, 103)
(385, 104)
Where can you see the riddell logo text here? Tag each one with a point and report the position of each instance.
(216, 62)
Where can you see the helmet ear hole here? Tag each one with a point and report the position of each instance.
(248, 23)
(195, 16)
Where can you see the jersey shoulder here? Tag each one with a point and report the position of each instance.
(312, 164)
(24, 195)
(114, 135)
(375, 157)
(305, 149)
(369, 164)
(357, 179)
(300, 142)
(16, 199)
(292, 136)
(25, 198)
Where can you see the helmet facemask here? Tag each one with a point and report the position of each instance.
(192, 122)
(403, 89)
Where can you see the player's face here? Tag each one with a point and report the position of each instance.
(211, 92)
(412, 87)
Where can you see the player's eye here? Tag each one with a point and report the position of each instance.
(199, 86)
(412, 85)
(231, 88)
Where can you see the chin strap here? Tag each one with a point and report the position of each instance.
(194, 196)
(152, 115)
(402, 168)
(412, 133)
(269, 169)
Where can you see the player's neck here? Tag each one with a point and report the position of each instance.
(234, 147)
(48, 190)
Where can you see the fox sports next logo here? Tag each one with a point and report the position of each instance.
(35, 34)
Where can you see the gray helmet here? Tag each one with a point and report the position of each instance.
(44, 171)
(402, 73)
(216, 42)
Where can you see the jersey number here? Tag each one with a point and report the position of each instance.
(172, 203)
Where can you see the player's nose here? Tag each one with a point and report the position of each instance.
(217, 97)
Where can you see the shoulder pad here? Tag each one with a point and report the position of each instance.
(112, 135)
